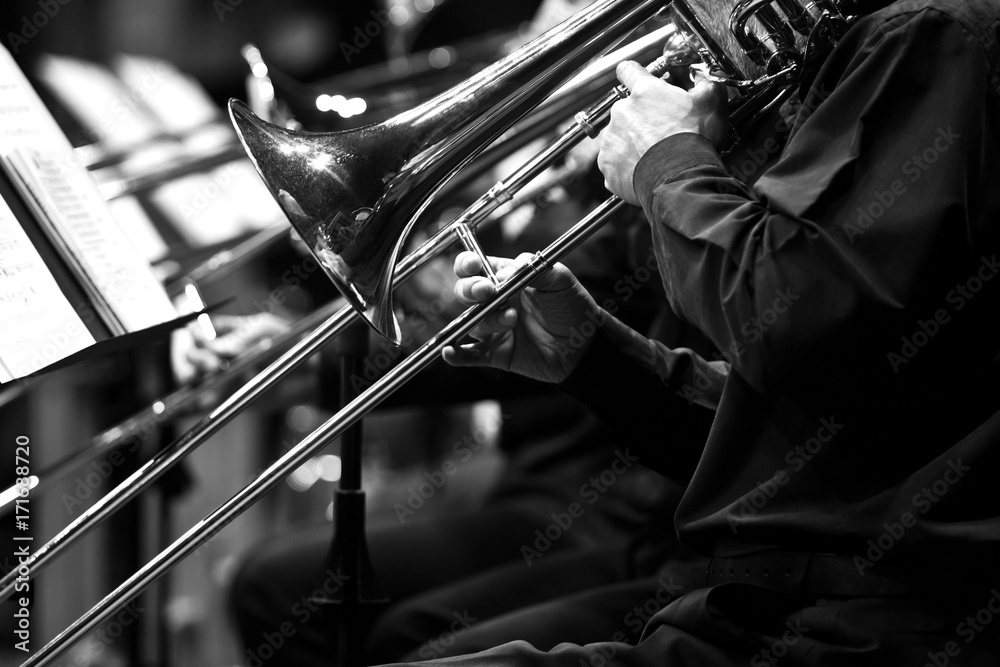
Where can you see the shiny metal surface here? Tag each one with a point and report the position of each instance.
(777, 48)
(776, 37)
(174, 453)
(360, 406)
(353, 196)
(471, 219)
(367, 94)
(587, 88)
(182, 401)
(320, 438)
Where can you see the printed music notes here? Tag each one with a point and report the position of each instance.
(38, 326)
(66, 203)
(70, 226)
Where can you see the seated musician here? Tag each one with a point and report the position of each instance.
(846, 490)
(504, 569)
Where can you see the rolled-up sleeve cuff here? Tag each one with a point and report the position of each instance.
(669, 158)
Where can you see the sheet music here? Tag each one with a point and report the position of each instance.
(38, 326)
(64, 198)
(67, 204)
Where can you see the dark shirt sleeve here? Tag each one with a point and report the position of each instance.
(834, 245)
(658, 400)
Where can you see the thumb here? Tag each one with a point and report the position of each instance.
(705, 85)
(630, 73)
(469, 354)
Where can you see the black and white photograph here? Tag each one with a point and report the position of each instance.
(539, 333)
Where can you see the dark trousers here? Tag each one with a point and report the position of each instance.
(741, 625)
(273, 589)
(575, 596)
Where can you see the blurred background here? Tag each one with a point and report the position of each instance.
(307, 39)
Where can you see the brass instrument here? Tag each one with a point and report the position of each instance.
(355, 230)
(183, 401)
(354, 195)
(597, 76)
(355, 227)
(367, 94)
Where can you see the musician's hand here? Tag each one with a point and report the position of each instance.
(193, 355)
(653, 111)
(539, 332)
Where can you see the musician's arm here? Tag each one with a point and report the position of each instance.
(659, 400)
(811, 260)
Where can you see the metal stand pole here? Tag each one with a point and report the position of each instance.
(358, 597)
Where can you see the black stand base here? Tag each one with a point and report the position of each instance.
(358, 598)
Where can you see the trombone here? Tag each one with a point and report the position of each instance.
(596, 77)
(451, 129)
(182, 401)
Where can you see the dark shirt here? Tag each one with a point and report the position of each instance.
(854, 289)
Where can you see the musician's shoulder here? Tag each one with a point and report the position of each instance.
(969, 21)
(976, 16)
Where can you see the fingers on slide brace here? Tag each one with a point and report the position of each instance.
(470, 242)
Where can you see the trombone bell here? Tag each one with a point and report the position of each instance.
(354, 195)
(314, 177)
